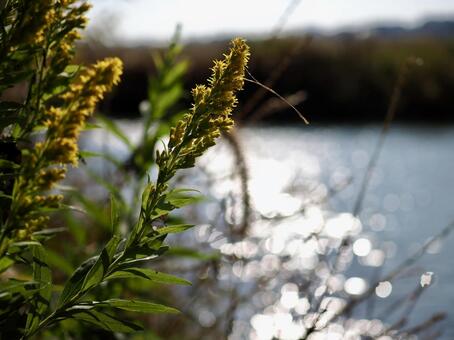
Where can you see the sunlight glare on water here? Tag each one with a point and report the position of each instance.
(375, 258)
(290, 205)
(355, 286)
(268, 179)
(426, 279)
(362, 247)
(342, 225)
(384, 289)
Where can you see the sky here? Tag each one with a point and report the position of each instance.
(151, 20)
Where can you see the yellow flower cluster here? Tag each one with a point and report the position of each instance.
(44, 17)
(84, 93)
(46, 164)
(61, 98)
(72, 14)
(74, 17)
(212, 108)
(35, 20)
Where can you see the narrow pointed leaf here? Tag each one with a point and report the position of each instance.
(182, 197)
(149, 274)
(74, 284)
(173, 229)
(58, 261)
(108, 322)
(99, 269)
(114, 215)
(139, 306)
(42, 275)
(5, 263)
(115, 130)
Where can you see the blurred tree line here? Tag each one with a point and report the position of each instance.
(345, 78)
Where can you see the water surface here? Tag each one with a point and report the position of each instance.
(409, 199)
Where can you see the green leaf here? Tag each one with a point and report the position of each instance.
(79, 234)
(158, 61)
(108, 185)
(91, 154)
(74, 284)
(92, 209)
(41, 271)
(180, 197)
(114, 215)
(139, 306)
(174, 199)
(25, 244)
(91, 126)
(137, 255)
(5, 263)
(8, 164)
(8, 80)
(148, 274)
(56, 260)
(25, 288)
(165, 100)
(49, 231)
(41, 274)
(140, 252)
(71, 70)
(175, 74)
(166, 88)
(146, 195)
(115, 130)
(107, 322)
(133, 234)
(99, 269)
(173, 229)
(8, 197)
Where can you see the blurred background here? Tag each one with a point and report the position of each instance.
(337, 229)
(344, 54)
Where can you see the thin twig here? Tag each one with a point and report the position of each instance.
(283, 19)
(255, 81)
(389, 118)
(242, 170)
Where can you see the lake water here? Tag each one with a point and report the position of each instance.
(409, 199)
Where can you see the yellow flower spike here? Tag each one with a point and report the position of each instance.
(47, 178)
(212, 108)
(53, 27)
(34, 24)
(82, 97)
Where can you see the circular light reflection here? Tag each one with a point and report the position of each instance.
(375, 258)
(362, 247)
(355, 286)
(384, 289)
(206, 318)
(377, 222)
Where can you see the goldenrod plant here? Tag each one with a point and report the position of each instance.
(39, 144)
